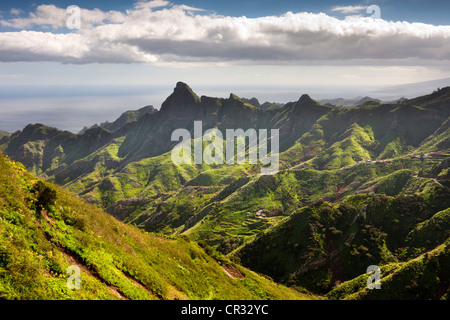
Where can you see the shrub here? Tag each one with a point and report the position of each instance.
(45, 195)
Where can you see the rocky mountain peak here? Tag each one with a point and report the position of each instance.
(182, 96)
(305, 99)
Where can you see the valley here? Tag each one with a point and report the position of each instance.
(363, 185)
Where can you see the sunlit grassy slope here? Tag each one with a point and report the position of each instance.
(44, 230)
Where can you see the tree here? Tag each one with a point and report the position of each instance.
(45, 195)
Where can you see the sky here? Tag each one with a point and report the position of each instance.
(74, 63)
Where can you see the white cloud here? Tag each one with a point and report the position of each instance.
(151, 4)
(45, 15)
(348, 9)
(15, 11)
(188, 8)
(178, 34)
(50, 16)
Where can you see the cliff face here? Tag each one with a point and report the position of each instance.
(181, 99)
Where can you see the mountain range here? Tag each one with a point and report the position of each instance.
(349, 102)
(358, 186)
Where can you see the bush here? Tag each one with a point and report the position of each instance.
(45, 195)
(5, 256)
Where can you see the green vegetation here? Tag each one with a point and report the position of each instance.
(44, 230)
(423, 278)
(324, 245)
(4, 135)
(358, 186)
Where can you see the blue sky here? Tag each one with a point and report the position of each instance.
(431, 11)
(129, 54)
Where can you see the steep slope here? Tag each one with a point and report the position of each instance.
(325, 152)
(439, 140)
(297, 118)
(228, 218)
(423, 278)
(356, 186)
(392, 130)
(41, 148)
(4, 134)
(323, 245)
(44, 230)
(125, 119)
(151, 136)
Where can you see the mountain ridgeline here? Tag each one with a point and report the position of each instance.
(358, 186)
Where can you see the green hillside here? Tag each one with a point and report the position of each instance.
(44, 230)
(423, 278)
(125, 119)
(324, 245)
(359, 186)
(4, 134)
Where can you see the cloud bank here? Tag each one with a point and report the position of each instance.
(160, 32)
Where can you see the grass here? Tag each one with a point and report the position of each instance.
(43, 231)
